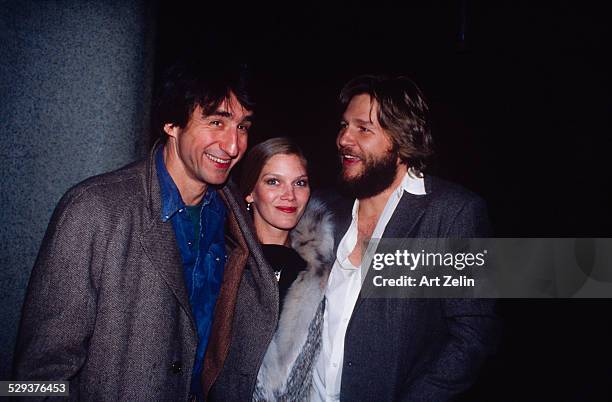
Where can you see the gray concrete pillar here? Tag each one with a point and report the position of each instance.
(75, 84)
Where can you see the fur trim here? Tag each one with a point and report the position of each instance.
(313, 239)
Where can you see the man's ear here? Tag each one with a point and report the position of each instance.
(249, 198)
(171, 130)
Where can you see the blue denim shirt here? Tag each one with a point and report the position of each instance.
(203, 257)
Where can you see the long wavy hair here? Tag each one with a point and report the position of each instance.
(402, 113)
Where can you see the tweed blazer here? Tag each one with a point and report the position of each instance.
(107, 308)
(418, 349)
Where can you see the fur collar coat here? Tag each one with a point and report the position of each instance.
(286, 371)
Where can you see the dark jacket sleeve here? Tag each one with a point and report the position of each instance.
(60, 305)
(473, 327)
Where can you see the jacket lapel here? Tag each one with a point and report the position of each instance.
(407, 214)
(221, 331)
(159, 242)
(404, 223)
(246, 248)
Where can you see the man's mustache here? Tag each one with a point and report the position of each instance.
(348, 151)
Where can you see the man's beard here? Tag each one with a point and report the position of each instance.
(377, 176)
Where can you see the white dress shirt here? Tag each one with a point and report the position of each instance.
(342, 291)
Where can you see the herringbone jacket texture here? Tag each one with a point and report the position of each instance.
(106, 306)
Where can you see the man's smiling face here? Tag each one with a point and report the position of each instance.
(369, 161)
(207, 148)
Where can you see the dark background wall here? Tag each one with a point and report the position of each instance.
(75, 84)
(520, 94)
(520, 91)
(521, 101)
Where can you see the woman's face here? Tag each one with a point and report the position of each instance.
(280, 194)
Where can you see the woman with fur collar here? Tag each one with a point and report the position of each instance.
(297, 240)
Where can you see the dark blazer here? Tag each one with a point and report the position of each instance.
(418, 349)
(106, 306)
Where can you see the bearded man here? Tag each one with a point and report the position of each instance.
(392, 348)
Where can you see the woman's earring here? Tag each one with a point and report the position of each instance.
(249, 206)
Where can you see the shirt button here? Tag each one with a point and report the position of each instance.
(334, 365)
(189, 243)
(217, 259)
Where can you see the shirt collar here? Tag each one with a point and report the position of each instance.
(411, 183)
(170, 197)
